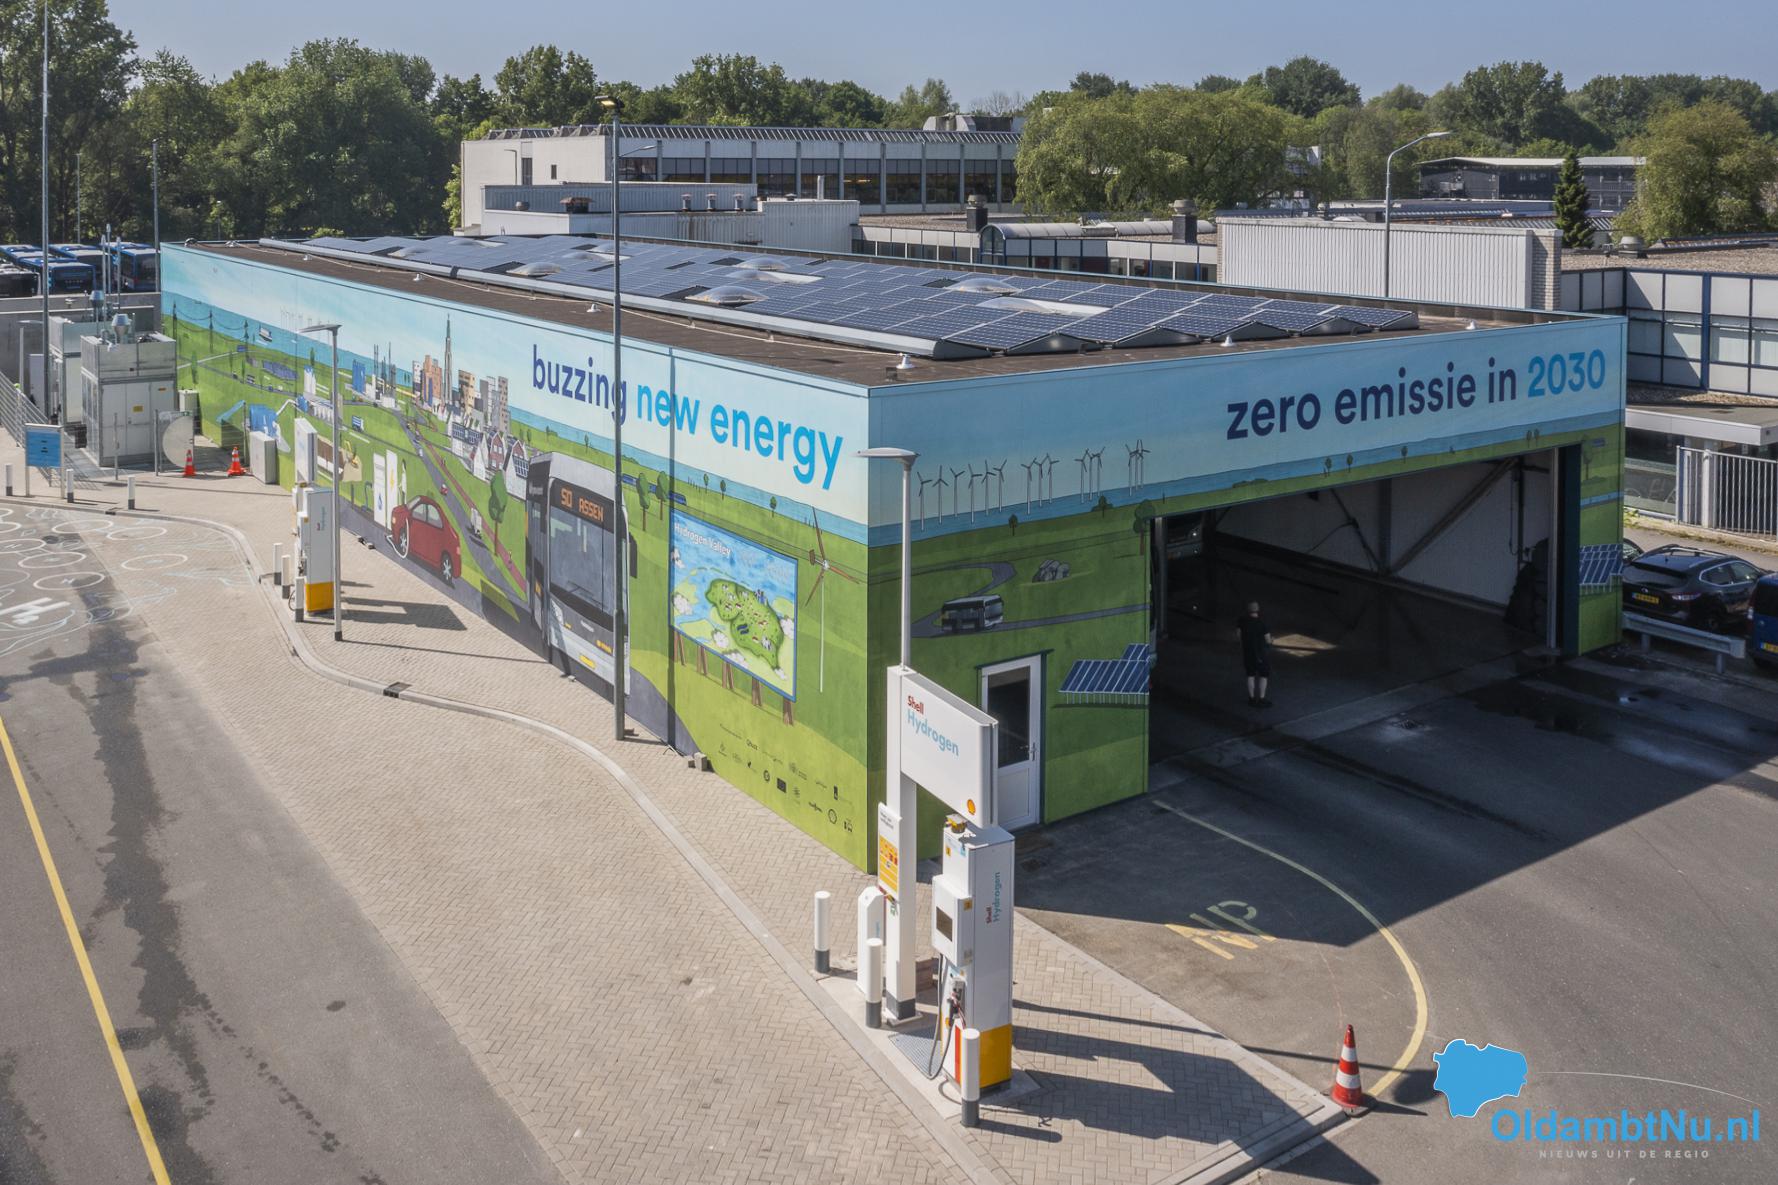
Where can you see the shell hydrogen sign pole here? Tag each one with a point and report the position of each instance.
(940, 742)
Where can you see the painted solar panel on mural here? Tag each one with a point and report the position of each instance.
(1107, 676)
(1600, 564)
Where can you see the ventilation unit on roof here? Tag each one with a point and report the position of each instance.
(985, 284)
(727, 296)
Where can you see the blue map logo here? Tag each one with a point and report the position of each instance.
(1470, 1077)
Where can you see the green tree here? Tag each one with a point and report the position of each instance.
(915, 105)
(739, 89)
(334, 137)
(1096, 85)
(1571, 205)
(91, 64)
(1707, 172)
(1509, 102)
(1306, 86)
(544, 87)
(1140, 152)
(1400, 97)
(177, 107)
(498, 499)
(844, 104)
(459, 106)
(1213, 84)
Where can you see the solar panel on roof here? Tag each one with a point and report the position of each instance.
(1290, 320)
(940, 326)
(1374, 317)
(1114, 325)
(1012, 332)
(1214, 323)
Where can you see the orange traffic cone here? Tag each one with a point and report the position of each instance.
(1347, 1090)
(190, 469)
(234, 463)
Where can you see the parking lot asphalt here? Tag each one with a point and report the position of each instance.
(1570, 862)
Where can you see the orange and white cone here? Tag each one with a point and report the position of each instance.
(1347, 1090)
(190, 469)
(234, 463)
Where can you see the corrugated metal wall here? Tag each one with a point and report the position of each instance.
(1506, 267)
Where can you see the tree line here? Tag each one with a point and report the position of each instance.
(1106, 145)
(344, 137)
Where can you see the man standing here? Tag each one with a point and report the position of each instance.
(1256, 642)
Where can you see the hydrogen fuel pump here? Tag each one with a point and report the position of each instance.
(312, 513)
(972, 899)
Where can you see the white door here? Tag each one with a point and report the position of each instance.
(1012, 693)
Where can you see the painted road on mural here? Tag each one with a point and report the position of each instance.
(999, 573)
(271, 1034)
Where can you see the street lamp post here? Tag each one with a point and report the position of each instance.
(620, 637)
(333, 394)
(1388, 181)
(900, 950)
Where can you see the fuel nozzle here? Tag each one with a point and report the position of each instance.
(954, 1001)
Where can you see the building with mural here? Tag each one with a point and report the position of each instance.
(1078, 442)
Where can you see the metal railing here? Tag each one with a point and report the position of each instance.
(1726, 492)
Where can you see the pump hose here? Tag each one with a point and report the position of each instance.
(940, 1030)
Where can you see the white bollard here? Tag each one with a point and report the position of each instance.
(9, 480)
(971, 1057)
(277, 565)
(823, 947)
(870, 975)
(870, 920)
(130, 487)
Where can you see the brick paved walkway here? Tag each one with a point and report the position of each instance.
(627, 1015)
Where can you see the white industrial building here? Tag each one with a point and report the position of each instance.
(1502, 266)
(882, 169)
(670, 210)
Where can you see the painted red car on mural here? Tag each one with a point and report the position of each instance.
(422, 532)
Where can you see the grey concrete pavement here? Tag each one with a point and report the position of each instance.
(272, 1034)
(637, 1029)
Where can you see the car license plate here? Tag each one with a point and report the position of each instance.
(1771, 646)
(1645, 598)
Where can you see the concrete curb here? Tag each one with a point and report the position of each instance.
(948, 1138)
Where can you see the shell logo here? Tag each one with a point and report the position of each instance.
(969, 806)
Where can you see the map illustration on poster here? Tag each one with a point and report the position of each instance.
(737, 599)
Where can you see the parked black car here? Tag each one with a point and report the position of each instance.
(1703, 589)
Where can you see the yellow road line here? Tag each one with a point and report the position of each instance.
(1195, 935)
(1419, 1034)
(149, 1148)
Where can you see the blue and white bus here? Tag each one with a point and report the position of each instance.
(65, 274)
(570, 532)
(136, 267)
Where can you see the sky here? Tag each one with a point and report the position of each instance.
(1023, 47)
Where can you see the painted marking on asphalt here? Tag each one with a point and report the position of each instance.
(1207, 929)
(1196, 935)
(124, 1079)
(1420, 1007)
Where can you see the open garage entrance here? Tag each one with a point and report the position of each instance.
(1367, 588)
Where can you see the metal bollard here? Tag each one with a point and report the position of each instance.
(9, 480)
(870, 973)
(970, 1055)
(277, 565)
(130, 486)
(823, 952)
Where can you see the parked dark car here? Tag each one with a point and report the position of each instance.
(1703, 589)
(1762, 623)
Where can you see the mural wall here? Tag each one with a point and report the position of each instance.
(477, 447)
(764, 564)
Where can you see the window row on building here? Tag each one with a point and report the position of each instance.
(869, 180)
